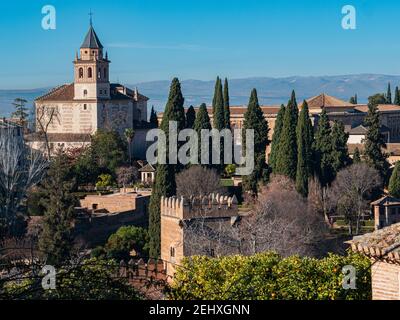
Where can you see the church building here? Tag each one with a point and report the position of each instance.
(70, 113)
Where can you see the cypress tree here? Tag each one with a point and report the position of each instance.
(374, 142)
(190, 117)
(254, 119)
(286, 161)
(356, 156)
(340, 153)
(153, 118)
(202, 122)
(202, 119)
(227, 113)
(174, 110)
(304, 153)
(389, 95)
(275, 138)
(394, 182)
(397, 97)
(165, 184)
(219, 119)
(323, 151)
(353, 100)
(56, 240)
(218, 106)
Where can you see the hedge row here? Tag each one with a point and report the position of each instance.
(268, 276)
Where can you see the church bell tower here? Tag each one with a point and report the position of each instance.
(91, 70)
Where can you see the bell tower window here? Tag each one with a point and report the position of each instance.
(80, 73)
(89, 72)
(85, 93)
(105, 73)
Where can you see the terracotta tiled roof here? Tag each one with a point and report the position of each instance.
(66, 92)
(61, 93)
(381, 107)
(237, 110)
(147, 168)
(383, 243)
(324, 100)
(386, 201)
(60, 137)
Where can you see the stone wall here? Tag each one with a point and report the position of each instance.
(119, 202)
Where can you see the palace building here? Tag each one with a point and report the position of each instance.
(70, 113)
(351, 115)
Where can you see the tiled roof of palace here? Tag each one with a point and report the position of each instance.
(323, 100)
(383, 243)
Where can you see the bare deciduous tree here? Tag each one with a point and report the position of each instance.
(45, 116)
(127, 175)
(198, 181)
(349, 192)
(20, 169)
(282, 221)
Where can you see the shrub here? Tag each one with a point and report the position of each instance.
(268, 276)
(126, 239)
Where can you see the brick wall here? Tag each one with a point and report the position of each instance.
(385, 281)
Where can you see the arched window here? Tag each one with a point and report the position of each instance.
(99, 74)
(80, 73)
(105, 73)
(89, 72)
(85, 93)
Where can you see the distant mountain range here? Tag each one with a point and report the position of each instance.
(271, 91)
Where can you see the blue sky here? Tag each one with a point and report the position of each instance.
(199, 39)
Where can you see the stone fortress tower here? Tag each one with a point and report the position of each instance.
(177, 214)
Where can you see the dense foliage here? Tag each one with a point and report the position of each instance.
(56, 240)
(165, 184)
(254, 120)
(305, 139)
(286, 159)
(268, 276)
(394, 182)
(126, 239)
(93, 279)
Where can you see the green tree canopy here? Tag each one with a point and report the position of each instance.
(153, 118)
(305, 138)
(190, 117)
(389, 95)
(254, 119)
(227, 112)
(394, 182)
(397, 97)
(275, 138)
(323, 150)
(56, 240)
(340, 153)
(286, 160)
(374, 142)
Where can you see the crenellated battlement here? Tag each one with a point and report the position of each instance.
(213, 205)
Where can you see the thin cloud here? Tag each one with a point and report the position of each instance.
(135, 45)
